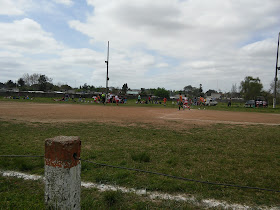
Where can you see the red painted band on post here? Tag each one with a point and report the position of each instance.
(60, 150)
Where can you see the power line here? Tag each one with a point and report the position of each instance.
(182, 178)
(22, 156)
(160, 174)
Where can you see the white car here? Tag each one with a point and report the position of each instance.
(211, 102)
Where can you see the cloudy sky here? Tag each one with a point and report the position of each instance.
(158, 43)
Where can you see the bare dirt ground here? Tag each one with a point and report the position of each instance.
(50, 113)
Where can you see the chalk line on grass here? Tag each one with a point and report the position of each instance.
(169, 117)
(205, 203)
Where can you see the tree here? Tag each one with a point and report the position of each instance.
(44, 83)
(30, 79)
(34, 79)
(143, 92)
(26, 79)
(65, 87)
(234, 93)
(251, 88)
(85, 87)
(162, 93)
(21, 82)
(10, 84)
(191, 91)
(124, 88)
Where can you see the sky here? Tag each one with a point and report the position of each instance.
(161, 43)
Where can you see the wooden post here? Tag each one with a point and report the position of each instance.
(62, 172)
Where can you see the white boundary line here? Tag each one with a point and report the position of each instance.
(217, 121)
(204, 203)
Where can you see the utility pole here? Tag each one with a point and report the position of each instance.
(275, 79)
(107, 75)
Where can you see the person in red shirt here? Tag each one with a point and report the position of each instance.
(164, 101)
(180, 101)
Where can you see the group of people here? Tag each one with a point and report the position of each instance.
(183, 102)
(150, 100)
(18, 97)
(101, 98)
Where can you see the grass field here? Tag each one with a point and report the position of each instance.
(239, 107)
(234, 154)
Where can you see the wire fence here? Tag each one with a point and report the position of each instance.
(156, 173)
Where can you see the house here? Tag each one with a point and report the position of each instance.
(133, 92)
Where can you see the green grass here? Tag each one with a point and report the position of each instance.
(131, 102)
(20, 194)
(242, 155)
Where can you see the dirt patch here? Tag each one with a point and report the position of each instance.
(140, 116)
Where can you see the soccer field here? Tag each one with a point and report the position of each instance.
(240, 148)
(39, 112)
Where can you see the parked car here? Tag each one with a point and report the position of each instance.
(210, 102)
(250, 103)
(260, 102)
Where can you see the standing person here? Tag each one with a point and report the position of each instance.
(186, 105)
(103, 97)
(180, 101)
(164, 101)
(139, 99)
(117, 99)
(149, 99)
(229, 103)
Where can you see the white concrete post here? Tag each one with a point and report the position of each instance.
(62, 173)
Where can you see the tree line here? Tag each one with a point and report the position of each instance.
(249, 88)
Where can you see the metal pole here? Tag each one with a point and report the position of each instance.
(275, 79)
(107, 75)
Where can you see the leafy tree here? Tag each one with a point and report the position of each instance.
(124, 88)
(92, 88)
(251, 87)
(85, 87)
(10, 84)
(65, 87)
(161, 92)
(191, 91)
(21, 82)
(143, 92)
(55, 88)
(44, 83)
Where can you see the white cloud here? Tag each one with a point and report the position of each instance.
(205, 36)
(170, 43)
(27, 36)
(65, 2)
(15, 7)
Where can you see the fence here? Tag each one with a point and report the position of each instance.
(63, 173)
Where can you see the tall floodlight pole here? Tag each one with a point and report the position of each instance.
(107, 75)
(275, 79)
